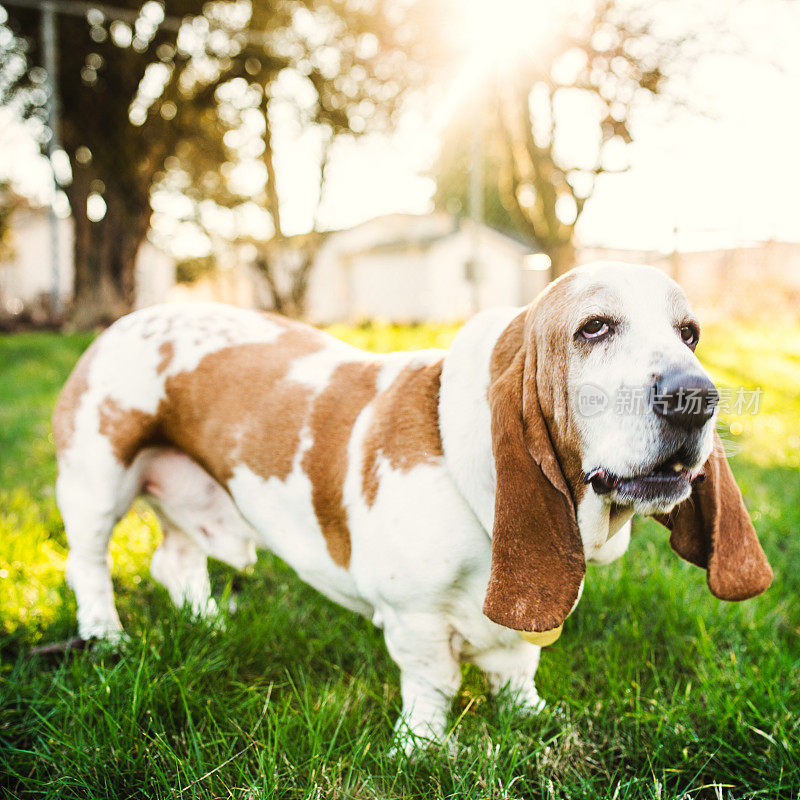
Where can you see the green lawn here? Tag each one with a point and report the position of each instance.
(656, 688)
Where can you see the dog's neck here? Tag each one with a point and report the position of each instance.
(465, 424)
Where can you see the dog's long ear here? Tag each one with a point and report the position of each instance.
(712, 529)
(538, 563)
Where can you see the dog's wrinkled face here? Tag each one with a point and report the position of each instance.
(636, 399)
(597, 383)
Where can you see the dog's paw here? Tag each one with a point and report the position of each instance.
(524, 701)
(214, 617)
(110, 633)
(531, 707)
(412, 748)
(414, 742)
(108, 646)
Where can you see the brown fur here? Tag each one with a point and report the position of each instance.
(550, 325)
(234, 408)
(166, 351)
(70, 399)
(537, 554)
(335, 411)
(712, 529)
(508, 344)
(125, 429)
(405, 429)
(546, 323)
(237, 407)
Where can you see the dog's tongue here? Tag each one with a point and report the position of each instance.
(601, 482)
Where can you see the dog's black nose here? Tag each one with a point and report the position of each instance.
(687, 399)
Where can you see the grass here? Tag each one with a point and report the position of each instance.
(656, 689)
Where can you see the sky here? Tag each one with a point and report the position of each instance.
(731, 173)
(728, 173)
(724, 173)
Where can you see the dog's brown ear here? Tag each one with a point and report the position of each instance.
(538, 563)
(712, 529)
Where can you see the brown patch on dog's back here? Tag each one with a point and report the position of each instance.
(237, 407)
(125, 428)
(405, 429)
(335, 411)
(166, 351)
(69, 400)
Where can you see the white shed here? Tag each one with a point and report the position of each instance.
(405, 267)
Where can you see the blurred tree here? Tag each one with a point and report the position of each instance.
(453, 170)
(12, 73)
(192, 270)
(138, 90)
(361, 58)
(8, 203)
(557, 120)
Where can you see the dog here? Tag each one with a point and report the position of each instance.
(453, 497)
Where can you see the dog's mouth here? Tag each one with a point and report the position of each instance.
(667, 483)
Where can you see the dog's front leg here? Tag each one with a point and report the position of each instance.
(510, 671)
(422, 646)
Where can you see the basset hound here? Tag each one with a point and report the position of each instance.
(453, 497)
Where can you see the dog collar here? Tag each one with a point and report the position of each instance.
(542, 638)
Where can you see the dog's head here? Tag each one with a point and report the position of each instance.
(596, 388)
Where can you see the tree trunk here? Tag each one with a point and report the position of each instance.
(562, 259)
(286, 267)
(273, 201)
(105, 257)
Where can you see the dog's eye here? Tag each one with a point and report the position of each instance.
(595, 328)
(690, 335)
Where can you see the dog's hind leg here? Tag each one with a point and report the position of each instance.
(91, 498)
(199, 519)
(180, 566)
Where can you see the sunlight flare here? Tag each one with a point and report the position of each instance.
(502, 33)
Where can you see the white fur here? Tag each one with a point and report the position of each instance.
(419, 554)
(646, 345)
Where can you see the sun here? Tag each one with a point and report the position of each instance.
(501, 34)
(498, 37)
